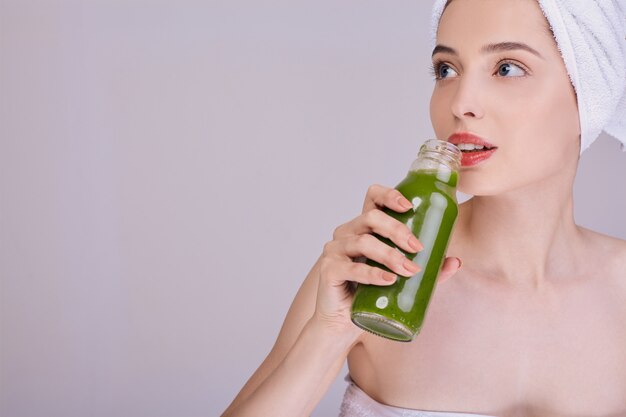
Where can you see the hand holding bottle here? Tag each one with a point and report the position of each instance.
(397, 311)
(354, 240)
(318, 332)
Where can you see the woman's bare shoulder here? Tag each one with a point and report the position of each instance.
(605, 242)
(609, 250)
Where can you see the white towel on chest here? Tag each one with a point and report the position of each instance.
(591, 36)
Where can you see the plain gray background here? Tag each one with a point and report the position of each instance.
(171, 170)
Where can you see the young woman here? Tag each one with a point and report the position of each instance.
(534, 323)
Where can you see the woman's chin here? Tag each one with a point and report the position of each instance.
(475, 188)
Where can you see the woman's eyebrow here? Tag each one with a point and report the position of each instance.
(491, 48)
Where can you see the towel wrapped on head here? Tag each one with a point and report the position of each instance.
(591, 36)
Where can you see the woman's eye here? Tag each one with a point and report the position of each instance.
(445, 71)
(505, 69)
(510, 69)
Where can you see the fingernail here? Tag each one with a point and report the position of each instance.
(415, 244)
(405, 203)
(460, 263)
(388, 276)
(410, 266)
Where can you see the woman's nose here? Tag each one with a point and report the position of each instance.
(467, 100)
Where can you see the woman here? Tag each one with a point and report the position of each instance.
(534, 323)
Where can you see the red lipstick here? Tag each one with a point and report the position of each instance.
(474, 148)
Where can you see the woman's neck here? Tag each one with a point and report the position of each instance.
(526, 237)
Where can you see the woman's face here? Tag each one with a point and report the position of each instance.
(520, 100)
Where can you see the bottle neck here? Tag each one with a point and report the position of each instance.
(439, 159)
(440, 171)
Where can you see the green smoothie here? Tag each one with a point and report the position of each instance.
(397, 311)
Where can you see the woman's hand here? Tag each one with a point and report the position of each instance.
(354, 240)
(317, 334)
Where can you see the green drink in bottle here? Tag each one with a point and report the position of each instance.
(397, 311)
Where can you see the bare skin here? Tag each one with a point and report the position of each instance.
(512, 348)
(533, 323)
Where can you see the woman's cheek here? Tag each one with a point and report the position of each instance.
(438, 115)
(516, 95)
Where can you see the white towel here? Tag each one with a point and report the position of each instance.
(356, 403)
(591, 36)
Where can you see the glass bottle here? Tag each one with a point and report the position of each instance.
(397, 311)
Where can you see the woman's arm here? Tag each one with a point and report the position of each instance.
(300, 380)
(317, 333)
(303, 363)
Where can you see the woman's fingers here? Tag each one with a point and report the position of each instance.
(338, 271)
(449, 268)
(379, 196)
(372, 248)
(382, 224)
(375, 220)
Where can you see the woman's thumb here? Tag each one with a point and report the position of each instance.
(450, 267)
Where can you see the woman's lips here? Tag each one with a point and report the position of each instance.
(467, 137)
(470, 158)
